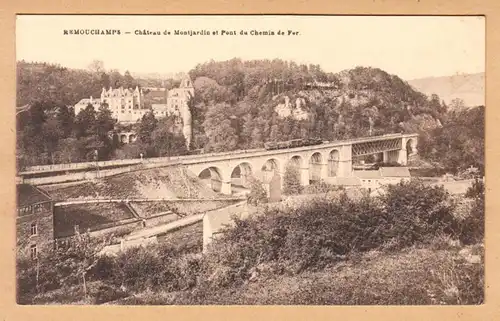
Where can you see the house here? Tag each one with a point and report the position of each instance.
(370, 179)
(374, 179)
(34, 221)
(394, 175)
(346, 182)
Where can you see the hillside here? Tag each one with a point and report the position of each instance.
(468, 87)
(252, 102)
(237, 105)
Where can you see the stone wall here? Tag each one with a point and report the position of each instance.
(214, 221)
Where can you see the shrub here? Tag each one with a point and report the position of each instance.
(476, 190)
(471, 228)
(415, 212)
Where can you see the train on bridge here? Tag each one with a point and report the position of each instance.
(293, 143)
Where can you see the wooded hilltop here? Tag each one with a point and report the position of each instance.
(238, 105)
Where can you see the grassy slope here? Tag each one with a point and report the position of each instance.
(413, 276)
(150, 183)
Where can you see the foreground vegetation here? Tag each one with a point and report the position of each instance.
(414, 245)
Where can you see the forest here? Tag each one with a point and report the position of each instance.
(235, 107)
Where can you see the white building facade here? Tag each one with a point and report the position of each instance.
(127, 105)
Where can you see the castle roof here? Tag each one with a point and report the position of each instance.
(186, 82)
(120, 92)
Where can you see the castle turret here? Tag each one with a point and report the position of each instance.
(186, 125)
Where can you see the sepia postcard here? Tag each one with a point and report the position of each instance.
(221, 160)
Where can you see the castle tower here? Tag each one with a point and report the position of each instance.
(186, 125)
(187, 88)
(187, 85)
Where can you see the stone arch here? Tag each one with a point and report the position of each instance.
(270, 168)
(123, 138)
(333, 163)
(213, 177)
(271, 178)
(296, 161)
(411, 146)
(132, 138)
(241, 174)
(315, 164)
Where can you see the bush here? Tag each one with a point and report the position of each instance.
(415, 212)
(164, 266)
(471, 228)
(476, 190)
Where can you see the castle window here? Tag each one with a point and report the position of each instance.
(34, 229)
(33, 252)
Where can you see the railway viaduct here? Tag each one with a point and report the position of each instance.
(317, 162)
(314, 163)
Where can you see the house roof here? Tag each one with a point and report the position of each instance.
(346, 181)
(367, 174)
(86, 101)
(394, 172)
(28, 195)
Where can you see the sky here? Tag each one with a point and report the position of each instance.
(408, 46)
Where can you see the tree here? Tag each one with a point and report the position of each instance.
(146, 127)
(219, 130)
(457, 104)
(274, 135)
(85, 121)
(291, 181)
(96, 66)
(105, 80)
(257, 193)
(128, 80)
(66, 119)
(103, 126)
(104, 121)
(166, 143)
